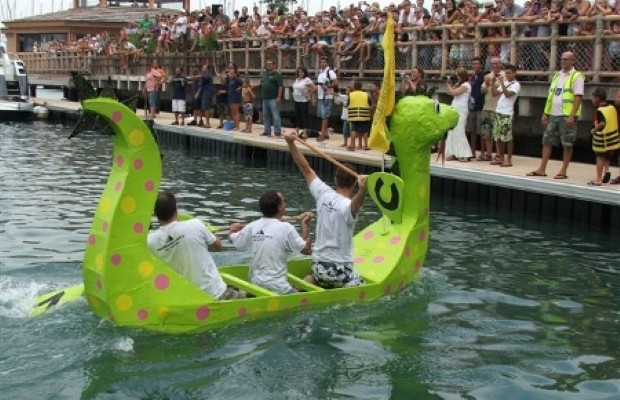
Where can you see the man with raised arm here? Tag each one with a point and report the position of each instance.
(337, 211)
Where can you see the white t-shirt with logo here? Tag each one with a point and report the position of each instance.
(183, 245)
(556, 105)
(325, 79)
(334, 225)
(506, 105)
(270, 241)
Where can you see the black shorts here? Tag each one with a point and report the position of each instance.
(360, 126)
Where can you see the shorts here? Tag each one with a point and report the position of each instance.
(474, 121)
(324, 108)
(557, 132)
(222, 109)
(205, 104)
(362, 127)
(153, 98)
(178, 106)
(248, 110)
(486, 124)
(332, 275)
(502, 128)
(232, 293)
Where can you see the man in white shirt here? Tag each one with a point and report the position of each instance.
(271, 241)
(337, 211)
(327, 82)
(508, 89)
(185, 246)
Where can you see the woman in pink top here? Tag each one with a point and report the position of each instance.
(151, 86)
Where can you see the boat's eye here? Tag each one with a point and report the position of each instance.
(436, 107)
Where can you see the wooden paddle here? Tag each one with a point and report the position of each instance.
(328, 157)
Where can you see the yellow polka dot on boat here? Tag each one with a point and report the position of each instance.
(99, 262)
(124, 302)
(136, 137)
(105, 205)
(163, 312)
(94, 301)
(273, 305)
(145, 268)
(380, 245)
(422, 191)
(128, 205)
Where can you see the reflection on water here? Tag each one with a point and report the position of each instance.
(508, 307)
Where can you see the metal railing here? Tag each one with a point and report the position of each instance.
(535, 57)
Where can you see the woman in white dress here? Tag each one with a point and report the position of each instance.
(457, 146)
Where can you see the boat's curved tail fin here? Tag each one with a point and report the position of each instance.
(386, 190)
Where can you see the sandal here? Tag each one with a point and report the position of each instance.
(350, 148)
(535, 173)
(592, 183)
(606, 177)
(366, 148)
(615, 181)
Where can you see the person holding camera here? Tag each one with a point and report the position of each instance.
(327, 83)
(414, 83)
(458, 86)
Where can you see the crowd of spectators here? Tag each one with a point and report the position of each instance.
(353, 34)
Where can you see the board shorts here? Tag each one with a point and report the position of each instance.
(502, 128)
(178, 106)
(486, 124)
(335, 275)
(232, 293)
(248, 110)
(558, 132)
(324, 108)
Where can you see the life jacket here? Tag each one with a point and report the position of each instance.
(568, 96)
(608, 139)
(359, 106)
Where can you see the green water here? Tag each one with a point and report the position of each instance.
(508, 307)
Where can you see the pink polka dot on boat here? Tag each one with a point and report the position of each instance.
(104, 227)
(117, 116)
(92, 240)
(202, 313)
(361, 295)
(118, 186)
(138, 163)
(99, 284)
(368, 235)
(401, 285)
(422, 235)
(359, 260)
(149, 186)
(142, 314)
(138, 227)
(120, 161)
(115, 259)
(242, 312)
(395, 240)
(418, 265)
(407, 252)
(162, 281)
(378, 259)
(387, 289)
(304, 302)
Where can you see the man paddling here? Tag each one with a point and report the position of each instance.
(337, 212)
(185, 246)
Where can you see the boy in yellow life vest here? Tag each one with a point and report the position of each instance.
(605, 136)
(359, 116)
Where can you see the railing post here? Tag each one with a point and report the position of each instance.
(445, 51)
(514, 46)
(414, 47)
(477, 36)
(553, 56)
(598, 49)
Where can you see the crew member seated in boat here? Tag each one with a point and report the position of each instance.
(271, 241)
(337, 211)
(185, 246)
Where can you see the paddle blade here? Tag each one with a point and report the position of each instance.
(57, 298)
(386, 190)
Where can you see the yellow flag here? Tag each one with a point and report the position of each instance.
(385, 105)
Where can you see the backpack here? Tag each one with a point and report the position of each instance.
(335, 89)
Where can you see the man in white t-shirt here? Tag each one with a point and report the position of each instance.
(271, 241)
(185, 246)
(327, 83)
(337, 211)
(508, 89)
